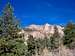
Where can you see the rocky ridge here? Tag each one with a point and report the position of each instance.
(42, 31)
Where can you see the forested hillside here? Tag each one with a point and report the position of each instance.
(15, 43)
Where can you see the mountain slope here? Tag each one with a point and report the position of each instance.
(41, 31)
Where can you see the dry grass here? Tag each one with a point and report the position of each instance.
(62, 51)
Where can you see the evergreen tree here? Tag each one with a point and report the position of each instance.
(40, 45)
(0, 26)
(31, 45)
(11, 43)
(55, 39)
(69, 38)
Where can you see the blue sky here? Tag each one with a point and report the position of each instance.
(42, 11)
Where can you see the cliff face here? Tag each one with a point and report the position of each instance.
(41, 31)
(47, 30)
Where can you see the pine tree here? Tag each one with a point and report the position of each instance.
(69, 38)
(0, 26)
(11, 43)
(40, 45)
(31, 45)
(55, 39)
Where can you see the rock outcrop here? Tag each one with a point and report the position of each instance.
(42, 31)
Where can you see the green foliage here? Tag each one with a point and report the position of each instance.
(55, 39)
(69, 38)
(0, 26)
(35, 45)
(40, 45)
(31, 45)
(11, 44)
